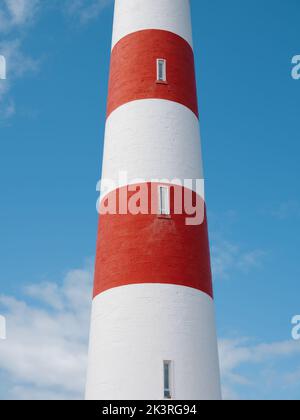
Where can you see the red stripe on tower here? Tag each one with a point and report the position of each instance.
(147, 242)
(153, 329)
(133, 73)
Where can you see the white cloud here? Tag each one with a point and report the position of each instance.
(17, 13)
(8, 110)
(17, 62)
(18, 65)
(235, 354)
(287, 210)
(14, 16)
(292, 377)
(45, 353)
(31, 393)
(227, 258)
(86, 10)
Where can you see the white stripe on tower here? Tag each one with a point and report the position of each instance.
(168, 148)
(168, 15)
(153, 329)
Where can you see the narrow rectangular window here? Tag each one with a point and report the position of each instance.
(167, 380)
(161, 70)
(164, 200)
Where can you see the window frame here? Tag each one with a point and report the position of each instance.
(168, 391)
(163, 62)
(164, 201)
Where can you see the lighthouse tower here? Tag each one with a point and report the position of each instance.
(153, 331)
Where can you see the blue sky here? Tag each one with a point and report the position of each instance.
(52, 114)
